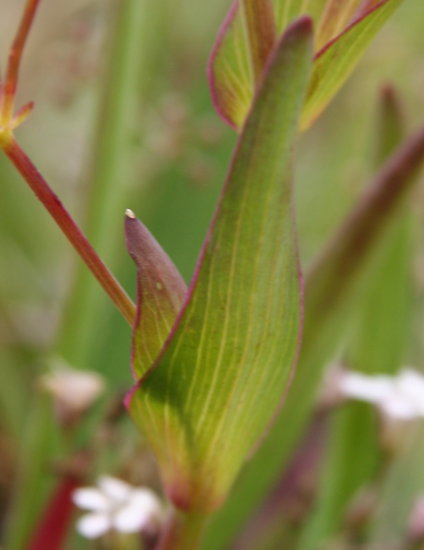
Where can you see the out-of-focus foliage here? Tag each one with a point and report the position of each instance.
(177, 152)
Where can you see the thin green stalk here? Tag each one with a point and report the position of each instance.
(108, 174)
(33, 477)
(183, 531)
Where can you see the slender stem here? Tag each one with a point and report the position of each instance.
(14, 62)
(31, 483)
(75, 236)
(183, 531)
(110, 170)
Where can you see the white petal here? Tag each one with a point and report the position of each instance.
(411, 384)
(130, 520)
(146, 499)
(399, 408)
(115, 489)
(89, 498)
(92, 526)
(416, 377)
(138, 513)
(373, 389)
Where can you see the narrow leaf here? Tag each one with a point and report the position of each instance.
(161, 292)
(261, 30)
(335, 18)
(336, 60)
(227, 363)
(344, 31)
(230, 73)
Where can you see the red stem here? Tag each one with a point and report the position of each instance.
(14, 62)
(54, 525)
(75, 236)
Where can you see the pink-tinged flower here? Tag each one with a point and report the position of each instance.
(116, 506)
(73, 391)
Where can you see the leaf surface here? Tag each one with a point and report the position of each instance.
(227, 362)
(344, 30)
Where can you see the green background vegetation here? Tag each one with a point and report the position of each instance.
(123, 119)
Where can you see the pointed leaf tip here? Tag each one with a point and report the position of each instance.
(161, 292)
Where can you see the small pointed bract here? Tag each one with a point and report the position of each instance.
(227, 363)
(344, 30)
(161, 292)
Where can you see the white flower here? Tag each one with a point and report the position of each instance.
(400, 396)
(115, 505)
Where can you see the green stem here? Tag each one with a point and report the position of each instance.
(109, 172)
(72, 232)
(33, 480)
(183, 531)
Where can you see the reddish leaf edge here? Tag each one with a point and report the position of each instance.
(213, 87)
(356, 20)
(305, 24)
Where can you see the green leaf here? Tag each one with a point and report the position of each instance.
(227, 362)
(161, 292)
(335, 61)
(331, 286)
(344, 30)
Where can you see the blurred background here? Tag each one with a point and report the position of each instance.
(123, 119)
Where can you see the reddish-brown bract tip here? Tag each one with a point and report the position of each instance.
(303, 24)
(161, 293)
